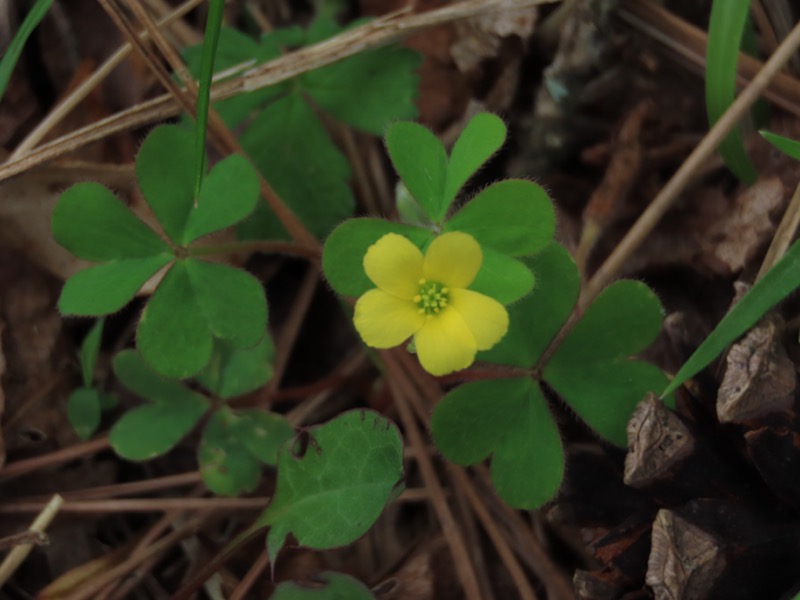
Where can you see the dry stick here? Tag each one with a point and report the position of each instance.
(783, 235)
(121, 589)
(85, 88)
(377, 33)
(252, 575)
(97, 583)
(690, 42)
(662, 202)
(132, 488)
(403, 390)
(292, 324)
(462, 481)
(132, 505)
(20, 553)
(555, 582)
(500, 543)
(24, 467)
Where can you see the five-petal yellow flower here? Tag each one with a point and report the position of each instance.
(427, 297)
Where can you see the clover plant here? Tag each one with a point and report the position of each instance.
(197, 301)
(494, 248)
(337, 586)
(235, 443)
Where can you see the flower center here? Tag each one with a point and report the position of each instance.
(431, 298)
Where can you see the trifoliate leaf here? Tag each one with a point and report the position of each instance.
(231, 300)
(509, 419)
(90, 349)
(173, 334)
(165, 171)
(333, 493)
(343, 255)
(83, 409)
(263, 433)
(536, 318)
(228, 195)
(106, 288)
(338, 586)
(94, 225)
(421, 161)
(290, 146)
(513, 216)
(481, 138)
(233, 372)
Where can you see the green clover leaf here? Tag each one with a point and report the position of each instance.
(196, 300)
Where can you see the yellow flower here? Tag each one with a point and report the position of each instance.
(427, 297)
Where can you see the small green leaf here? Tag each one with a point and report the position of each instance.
(786, 145)
(589, 369)
(290, 146)
(512, 216)
(231, 300)
(780, 281)
(228, 195)
(338, 586)
(508, 418)
(369, 89)
(165, 172)
(343, 255)
(173, 334)
(263, 433)
(141, 379)
(83, 409)
(234, 372)
(333, 493)
(481, 138)
(94, 225)
(725, 28)
(90, 348)
(421, 161)
(154, 428)
(106, 288)
(536, 318)
(503, 278)
(226, 465)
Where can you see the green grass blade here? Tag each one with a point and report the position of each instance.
(779, 282)
(211, 39)
(725, 31)
(11, 56)
(786, 145)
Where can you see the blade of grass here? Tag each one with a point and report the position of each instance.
(779, 282)
(11, 56)
(213, 26)
(725, 30)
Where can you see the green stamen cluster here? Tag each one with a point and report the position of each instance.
(432, 297)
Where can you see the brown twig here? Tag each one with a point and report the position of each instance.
(24, 467)
(132, 505)
(377, 33)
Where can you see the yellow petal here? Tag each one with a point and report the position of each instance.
(445, 344)
(394, 264)
(486, 318)
(453, 259)
(384, 321)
